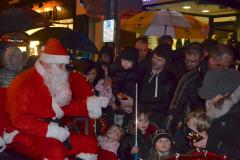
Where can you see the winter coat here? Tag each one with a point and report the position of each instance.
(153, 155)
(124, 81)
(157, 91)
(185, 97)
(108, 144)
(144, 143)
(223, 136)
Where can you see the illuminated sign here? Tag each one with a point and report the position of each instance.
(108, 30)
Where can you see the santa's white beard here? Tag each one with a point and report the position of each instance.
(58, 84)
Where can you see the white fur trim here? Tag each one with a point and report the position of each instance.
(87, 156)
(56, 108)
(8, 137)
(39, 68)
(2, 145)
(48, 58)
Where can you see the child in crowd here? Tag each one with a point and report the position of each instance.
(145, 133)
(161, 145)
(110, 141)
(124, 76)
(197, 127)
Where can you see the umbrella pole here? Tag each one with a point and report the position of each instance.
(165, 29)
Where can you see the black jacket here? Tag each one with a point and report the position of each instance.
(124, 80)
(223, 136)
(128, 141)
(186, 96)
(157, 91)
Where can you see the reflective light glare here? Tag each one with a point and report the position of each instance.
(59, 8)
(186, 7)
(205, 11)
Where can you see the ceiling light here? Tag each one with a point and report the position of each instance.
(186, 7)
(205, 11)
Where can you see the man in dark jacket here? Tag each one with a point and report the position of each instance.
(158, 85)
(223, 109)
(186, 95)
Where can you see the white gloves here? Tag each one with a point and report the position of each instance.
(94, 105)
(57, 132)
(2, 145)
(8, 137)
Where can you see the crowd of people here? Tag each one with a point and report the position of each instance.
(187, 102)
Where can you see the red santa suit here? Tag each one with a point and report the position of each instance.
(30, 103)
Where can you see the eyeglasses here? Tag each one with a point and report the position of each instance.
(193, 136)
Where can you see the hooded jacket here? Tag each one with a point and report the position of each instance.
(157, 90)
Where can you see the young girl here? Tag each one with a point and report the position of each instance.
(110, 141)
(161, 145)
(145, 132)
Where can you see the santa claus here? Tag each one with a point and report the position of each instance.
(39, 97)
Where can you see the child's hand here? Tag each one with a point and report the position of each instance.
(134, 149)
(114, 107)
(120, 95)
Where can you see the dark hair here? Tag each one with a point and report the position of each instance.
(219, 50)
(165, 39)
(93, 65)
(208, 43)
(107, 51)
(130, 53)
(142, 39)
(194, 48)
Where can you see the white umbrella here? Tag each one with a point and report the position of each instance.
(164, 23)
(156, 23)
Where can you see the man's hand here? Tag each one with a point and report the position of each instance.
(95, 105)
(57, 132)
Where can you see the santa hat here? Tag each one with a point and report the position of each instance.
(54, 52)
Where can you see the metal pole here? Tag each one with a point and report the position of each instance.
(117, 28)
(135, 156)
(136, 113)
(108, 9)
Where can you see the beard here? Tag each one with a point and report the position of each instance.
(57, 82)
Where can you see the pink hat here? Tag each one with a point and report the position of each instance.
(54, 52)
